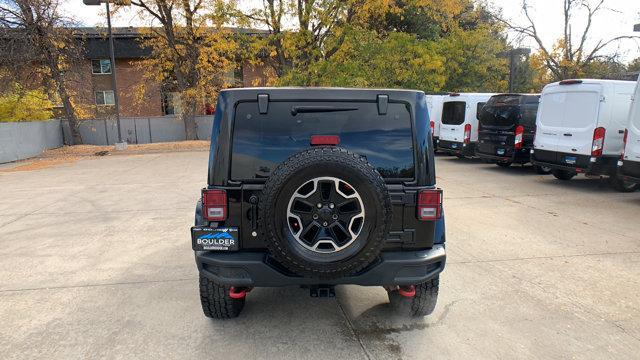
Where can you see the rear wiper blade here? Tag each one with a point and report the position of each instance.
(318, 109)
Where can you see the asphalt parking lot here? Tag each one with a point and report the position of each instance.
(95, 262)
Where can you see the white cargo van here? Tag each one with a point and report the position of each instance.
(434, 104)
(459, 123)
(629, 166)
(580, 127)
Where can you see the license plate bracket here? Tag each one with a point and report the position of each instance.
(214, 239)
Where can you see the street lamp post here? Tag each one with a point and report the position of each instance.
(120, 145)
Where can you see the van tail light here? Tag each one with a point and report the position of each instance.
(598, 142)
(432, 125)
(467, 133)
(214, 204)
(430, 204)
(624, 143)
(519, 137)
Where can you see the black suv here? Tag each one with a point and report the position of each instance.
(507, 126)
(318, 187)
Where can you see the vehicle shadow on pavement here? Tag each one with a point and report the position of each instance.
(465, 160)
(513, 170)
(581, 184)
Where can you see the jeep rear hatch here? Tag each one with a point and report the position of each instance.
(262, 141)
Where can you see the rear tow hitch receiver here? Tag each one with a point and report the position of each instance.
(322, 291)
(407, 291)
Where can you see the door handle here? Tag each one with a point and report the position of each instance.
(620, 131)
(568, 134)
(253, 200)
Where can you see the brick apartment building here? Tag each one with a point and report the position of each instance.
(94, 87)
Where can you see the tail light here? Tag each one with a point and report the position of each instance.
(624, 143)
(519, 137)
(325, 140)
(214, 204)
(429, 204)
(432, 125)
(467, 133)
(598, 142)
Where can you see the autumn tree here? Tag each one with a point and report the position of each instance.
(572, 55)
(432, 45)
(302, 32)
(37, 44)
(192, 51)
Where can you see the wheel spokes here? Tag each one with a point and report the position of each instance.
(325, 214)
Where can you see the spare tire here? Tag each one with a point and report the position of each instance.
(325, 213)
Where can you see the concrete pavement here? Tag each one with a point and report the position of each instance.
(95, 262)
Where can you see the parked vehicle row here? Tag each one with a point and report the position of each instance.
(573, 127)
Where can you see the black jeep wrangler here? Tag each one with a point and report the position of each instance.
(318, 187)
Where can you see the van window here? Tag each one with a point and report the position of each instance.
(260, 142)
(453, 112)
(529, 112)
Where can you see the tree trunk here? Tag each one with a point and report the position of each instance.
(189, 119)
(70, 114)
(69, 110)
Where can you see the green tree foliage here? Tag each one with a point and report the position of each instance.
(367, 59)
(473, 62)
(634, 65)
(25, 105)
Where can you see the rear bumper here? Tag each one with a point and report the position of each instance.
(520, 156)
(259, 269)
(604, 165)
(457, 148)
(630, 171)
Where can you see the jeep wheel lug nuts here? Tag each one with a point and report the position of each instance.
(315, 216)
(331, 206)
(325, 223)
(334, 217)
(319, 205)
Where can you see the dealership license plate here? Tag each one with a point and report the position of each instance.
(570, 160)
(500, 151)
(454, 146)
(219, 239)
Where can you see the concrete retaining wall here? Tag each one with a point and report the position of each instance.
(22, 140)
(138, 130)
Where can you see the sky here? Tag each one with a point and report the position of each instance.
(617, 20)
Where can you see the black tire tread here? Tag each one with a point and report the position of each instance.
(619, 185)
(422, 304)
(216, 302)
(563, 175)
(284, 172)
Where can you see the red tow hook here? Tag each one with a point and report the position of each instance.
(238, 293)
(407, 291)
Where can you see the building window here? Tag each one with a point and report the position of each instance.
(105, 97)
(101, 66)
(171, 103)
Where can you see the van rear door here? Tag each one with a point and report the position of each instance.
(632, 151)
(581, 112)
(453, 118)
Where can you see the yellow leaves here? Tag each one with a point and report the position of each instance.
(25, 105)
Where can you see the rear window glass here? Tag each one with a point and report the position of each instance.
(479, 107)
(453, 112)
(508, 110)
(262, 141)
